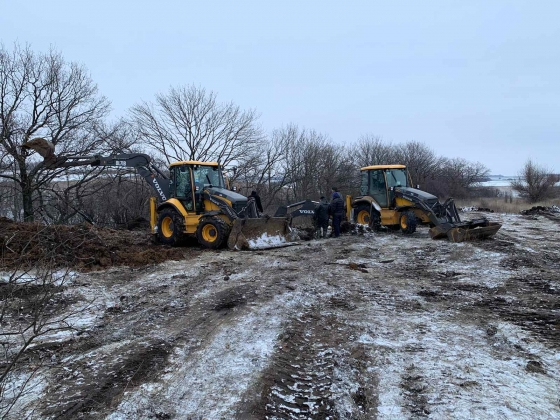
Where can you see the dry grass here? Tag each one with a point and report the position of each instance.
(499, 205)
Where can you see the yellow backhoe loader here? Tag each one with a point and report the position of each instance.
(192, 201)
(388, 199)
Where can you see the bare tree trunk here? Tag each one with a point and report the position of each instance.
(25, 183)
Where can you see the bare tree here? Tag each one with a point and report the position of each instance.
(128, 206)
(421, 161)
(188, 123)
(535, 182)
(42, 95)
(314, 164)
(372, 150)
(458, 176)
(296, 164)
(264, 170)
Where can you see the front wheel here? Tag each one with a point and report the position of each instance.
(170, 227)
(212, 233)
(408, 222)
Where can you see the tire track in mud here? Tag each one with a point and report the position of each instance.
(103, 388)
(315, 369)
(89, 387)
(415, 394)
(303, 372)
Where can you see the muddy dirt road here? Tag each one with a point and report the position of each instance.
(361, 327)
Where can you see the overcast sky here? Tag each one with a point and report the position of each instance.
(472, 79)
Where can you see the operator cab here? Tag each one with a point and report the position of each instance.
(190, 178)
(379, 181)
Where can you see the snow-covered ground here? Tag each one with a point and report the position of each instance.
(377, 325)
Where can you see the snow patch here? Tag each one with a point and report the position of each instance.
(265, 241)
(224, 369)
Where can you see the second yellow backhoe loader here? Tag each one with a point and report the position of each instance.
(192, 201)
(387, 198)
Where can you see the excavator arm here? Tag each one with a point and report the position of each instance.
(139, 161)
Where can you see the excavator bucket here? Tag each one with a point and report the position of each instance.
(259, 233)
(465, 231)
(43, 147)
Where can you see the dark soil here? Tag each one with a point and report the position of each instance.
(83, 247)
(104, 388)
(540, 210)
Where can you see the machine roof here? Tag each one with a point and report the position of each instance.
(194, 162)
(366, 168)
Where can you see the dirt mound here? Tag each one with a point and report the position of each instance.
(541, 210)
(83, 247)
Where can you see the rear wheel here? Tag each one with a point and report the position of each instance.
(212, 233)
(366, 216)
(363, 216)
(408, 222)
(170, 227)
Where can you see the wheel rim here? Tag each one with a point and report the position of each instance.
(167, 227)
(404, 225)
(209, 233)
(363, 217)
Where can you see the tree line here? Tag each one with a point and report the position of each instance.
(43, 95)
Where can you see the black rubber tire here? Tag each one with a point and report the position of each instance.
(212, 232)
(408, 222)
(362, 214)
(373, 218)
(170, 228)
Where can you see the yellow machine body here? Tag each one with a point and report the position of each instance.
(389, 199)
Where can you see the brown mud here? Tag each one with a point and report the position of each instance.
(82, 247)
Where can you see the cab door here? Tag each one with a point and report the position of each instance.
(183, 187)
(378, 187)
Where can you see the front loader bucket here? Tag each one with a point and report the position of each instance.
(465, 231)
(461, 234)
(259, 233)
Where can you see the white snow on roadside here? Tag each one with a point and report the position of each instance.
(489, 381)
(33, 386)
(55, 278)
(210, 381)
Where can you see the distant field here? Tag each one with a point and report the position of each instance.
(500, 205)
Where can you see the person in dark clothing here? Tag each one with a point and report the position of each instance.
(336, 209)
(257, 199)
(321, 218)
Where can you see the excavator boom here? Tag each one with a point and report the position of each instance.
(139, 161)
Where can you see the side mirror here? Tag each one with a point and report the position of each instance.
(234, 188)
(392, 189)
(417, 186)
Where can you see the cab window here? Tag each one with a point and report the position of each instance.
(396, 178)
(182, 181)
(207, 175)
(378, 187)
(183, 186)
(364, 183)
